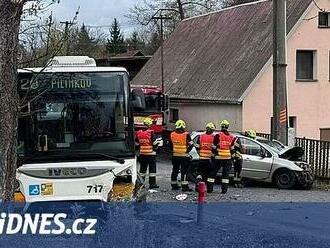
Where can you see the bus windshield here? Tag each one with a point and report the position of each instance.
(70, 114)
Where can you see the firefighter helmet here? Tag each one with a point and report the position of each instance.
(210, 126)
(251, 133)
(147, 121)
(180, 124)
(224, 124)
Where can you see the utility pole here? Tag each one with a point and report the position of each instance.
(66, 36)
(161, 17)
(280, 110)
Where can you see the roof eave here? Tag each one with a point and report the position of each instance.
(196, 100)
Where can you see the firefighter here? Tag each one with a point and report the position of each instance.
(147, 157)
(251, 134)
(238, 162)
(222, 144)
(181, 144)
(204, 148)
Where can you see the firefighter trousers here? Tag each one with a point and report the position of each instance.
(180, 164)
(226, 165)
(237, 170)
(204, 170)
(145, 162)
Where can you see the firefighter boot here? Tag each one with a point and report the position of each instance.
(210, 184)
(224, 188)
(152, 182)
(185, 187)
(175, 186)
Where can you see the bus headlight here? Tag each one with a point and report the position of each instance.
(18, 196)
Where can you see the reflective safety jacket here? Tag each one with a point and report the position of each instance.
(205, 146)
(224, 144)
(145, 141)
(180, 144)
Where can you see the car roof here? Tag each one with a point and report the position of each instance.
(236, 134)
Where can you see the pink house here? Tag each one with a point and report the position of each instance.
(219, 66)
(308, 79)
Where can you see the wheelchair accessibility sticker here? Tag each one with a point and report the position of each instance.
(34, 189)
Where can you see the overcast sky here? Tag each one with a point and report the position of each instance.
(95, 12)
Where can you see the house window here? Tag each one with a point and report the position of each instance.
(293, 122)
(324, 19)
(174, 115)
(306, 65)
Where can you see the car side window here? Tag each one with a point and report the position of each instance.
(251, 148)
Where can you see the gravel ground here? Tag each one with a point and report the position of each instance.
(255, 192)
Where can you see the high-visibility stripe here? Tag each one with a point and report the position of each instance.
(210, 180)
(142, 174)
(152, 174)
(147, 150)
(237, 179)
(179, 149)
(226, 181)
(205, 153)
(184, 183)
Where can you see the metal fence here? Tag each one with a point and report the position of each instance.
(316, 153)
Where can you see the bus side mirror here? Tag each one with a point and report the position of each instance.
(165, 103)
(138, 99)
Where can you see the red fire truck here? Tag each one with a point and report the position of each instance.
(155, 106)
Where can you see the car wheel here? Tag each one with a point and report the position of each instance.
(285, 179)
(193, 172)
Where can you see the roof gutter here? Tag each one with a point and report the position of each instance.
(196, 101)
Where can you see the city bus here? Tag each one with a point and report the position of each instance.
(76, 133)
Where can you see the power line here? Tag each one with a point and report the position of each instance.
(318, 6)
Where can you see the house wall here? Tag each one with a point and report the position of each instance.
(308, 101)
(197, 115)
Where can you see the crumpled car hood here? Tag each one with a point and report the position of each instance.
(292, 153)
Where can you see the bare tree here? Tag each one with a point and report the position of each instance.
(11, 12)
(10, 15)
(178, 10)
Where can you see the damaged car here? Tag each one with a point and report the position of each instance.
(266, 162)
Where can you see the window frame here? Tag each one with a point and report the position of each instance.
(319, 19)
(314, 64)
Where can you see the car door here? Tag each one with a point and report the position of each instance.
(257, 161)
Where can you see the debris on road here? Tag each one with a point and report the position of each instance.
(151, 191)
(181, 197)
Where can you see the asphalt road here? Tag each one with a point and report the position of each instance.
(253, 192)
